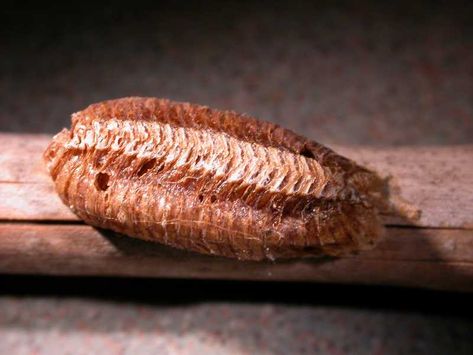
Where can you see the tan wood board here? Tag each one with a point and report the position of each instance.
(432, 187)
(431, 245)
(431, 258)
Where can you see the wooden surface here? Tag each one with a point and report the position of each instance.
(428, 243)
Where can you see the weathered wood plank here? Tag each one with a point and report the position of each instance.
(32, 202)
(432, 186)
(435, 183)
(431, 258)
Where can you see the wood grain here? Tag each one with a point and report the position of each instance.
(432, 258)
(430, 245)
(434, 183)
(26, 190)
(429, 187)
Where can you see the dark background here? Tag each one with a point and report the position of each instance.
(340, 72)
(378, 73)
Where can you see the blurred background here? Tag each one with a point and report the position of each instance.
(361, 72)
(364, 72)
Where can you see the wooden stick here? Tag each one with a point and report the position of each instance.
(431, 187)
(431, 258)
(429, 244)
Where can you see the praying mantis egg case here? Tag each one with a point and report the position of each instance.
(213, 182)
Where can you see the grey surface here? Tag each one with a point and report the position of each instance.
(362, 73)
(75, 326)
(349, 74)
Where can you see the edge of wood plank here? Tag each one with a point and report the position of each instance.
(429, 186)
(427, 258)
